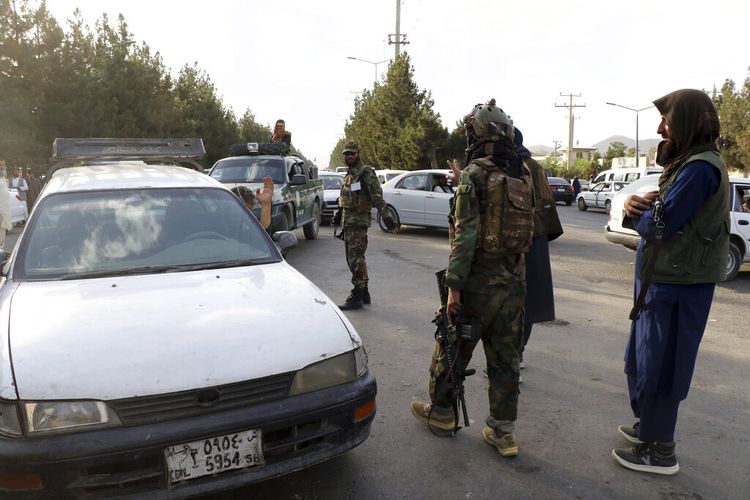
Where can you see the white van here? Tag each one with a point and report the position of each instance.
(626, 174)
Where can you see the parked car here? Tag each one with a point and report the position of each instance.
(414, 200)
(561, 190)
(739, 242)
(298, 196)
(386, 175)
(584, 184)
(178, 353)
(332, 183)
(600, 195)
(18, 210)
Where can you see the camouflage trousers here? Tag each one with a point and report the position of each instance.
(501, 329)
(355, 242)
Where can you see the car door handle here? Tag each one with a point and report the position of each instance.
(743, 222)
(429, 196)
(397, 193)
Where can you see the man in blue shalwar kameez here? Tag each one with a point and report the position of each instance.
(679, 285)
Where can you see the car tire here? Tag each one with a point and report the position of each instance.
(734, 262)
(311, 228)
(395, 218)
(582, 205)
(569, 202)
(608, 206)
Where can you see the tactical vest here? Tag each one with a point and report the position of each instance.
(506, 220)
(355, 201)
(698, 252)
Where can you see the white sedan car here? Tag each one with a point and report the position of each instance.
(599, 196)
(154, 343)
(739, 241)
(419, 198)
(332, 184)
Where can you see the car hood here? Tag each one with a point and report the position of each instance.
(109, 338)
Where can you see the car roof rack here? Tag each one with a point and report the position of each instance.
(259, 148)
(71, 151)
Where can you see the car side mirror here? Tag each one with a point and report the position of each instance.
(298, 180)
(284, 240)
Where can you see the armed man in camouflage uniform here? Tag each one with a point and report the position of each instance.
(360, 193)
(492, 226)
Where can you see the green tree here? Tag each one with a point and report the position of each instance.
(251, 130)
(733, 105)
(395, 122)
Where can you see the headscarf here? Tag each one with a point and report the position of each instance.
(522, 151)
(278, 131)
(694, 125)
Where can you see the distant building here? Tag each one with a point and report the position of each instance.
(580, 153)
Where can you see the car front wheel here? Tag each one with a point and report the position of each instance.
(311, 228)
(395, 219)
(734, 262)
(582, 204)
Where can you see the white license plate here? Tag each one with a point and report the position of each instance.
(561, 188)
(213, 455)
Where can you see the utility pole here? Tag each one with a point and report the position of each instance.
(398, 39)
(554, 154)
(571, 120)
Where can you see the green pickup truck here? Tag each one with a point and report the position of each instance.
(299, 192)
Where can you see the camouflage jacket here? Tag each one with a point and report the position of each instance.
(360, 193)
(469, 267)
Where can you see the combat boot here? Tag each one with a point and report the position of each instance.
(503, 441)
(366, 296)
(353, 301)
(434, 416)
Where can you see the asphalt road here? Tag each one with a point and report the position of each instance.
(572, 398)
(573, 395)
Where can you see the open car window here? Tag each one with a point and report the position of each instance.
(153, 230)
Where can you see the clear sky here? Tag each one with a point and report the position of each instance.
(289, 58)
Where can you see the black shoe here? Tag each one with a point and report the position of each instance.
(353, 301)
(656, 458)
(630, 433)
(366, 296)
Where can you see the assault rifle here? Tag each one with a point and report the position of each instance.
(451, 336)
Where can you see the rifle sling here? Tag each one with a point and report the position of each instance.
(636, 311)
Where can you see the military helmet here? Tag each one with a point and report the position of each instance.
(489, 121)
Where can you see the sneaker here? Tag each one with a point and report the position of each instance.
(434, 417)
(630, 433)
(353, 301)
(656, 458)
(505, 444)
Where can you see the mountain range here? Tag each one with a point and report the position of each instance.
(602, 146)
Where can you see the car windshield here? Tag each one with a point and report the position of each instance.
(332, 182)
(392, 176)
(248, 169)
(109, 233)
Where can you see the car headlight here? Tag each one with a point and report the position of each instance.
(10, 424)
(45, 416)
(330, 372)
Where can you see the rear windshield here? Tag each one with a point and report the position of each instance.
(248, 169)
(139, 232)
